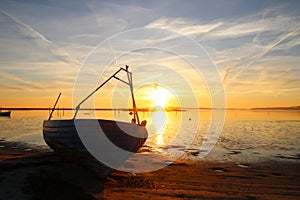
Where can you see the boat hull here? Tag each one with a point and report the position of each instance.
(5, 114)
(62, 136)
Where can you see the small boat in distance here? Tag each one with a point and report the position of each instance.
(5, 113)
(65, 136)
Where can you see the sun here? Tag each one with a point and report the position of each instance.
(156, 96)
(160, 96)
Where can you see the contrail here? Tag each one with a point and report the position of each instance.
(41, 40)
(113, 51)
(256, 57)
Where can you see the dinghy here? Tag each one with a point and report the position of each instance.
(5, 113)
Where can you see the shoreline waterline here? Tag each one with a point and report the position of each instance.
(30, 174)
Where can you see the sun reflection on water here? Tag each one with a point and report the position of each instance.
(163, 126)
(156, 126)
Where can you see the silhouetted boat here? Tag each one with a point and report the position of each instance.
(5, 113)
(63, 136)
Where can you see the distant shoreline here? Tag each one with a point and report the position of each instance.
(97, 109)
(278, 108)
(151, 109)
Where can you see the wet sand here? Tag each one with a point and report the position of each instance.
(37, 173)
(209, 181)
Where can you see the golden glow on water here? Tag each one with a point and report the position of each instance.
(157, 123)
(163, 126)
(262, 115)
(159, 101)
(247, 134)
(159, 139)
(158, 120)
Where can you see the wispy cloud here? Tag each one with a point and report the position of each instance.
(184, 26)
(17, 82)
(255, 48)
(9, 81)
(251, 60)
(239, 46)
(41, 40)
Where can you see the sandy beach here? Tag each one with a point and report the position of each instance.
(36, 173)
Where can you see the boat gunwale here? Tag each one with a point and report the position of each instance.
(72, 122)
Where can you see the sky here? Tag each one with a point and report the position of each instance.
(238, 53)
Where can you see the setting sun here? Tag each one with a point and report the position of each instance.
(160, 96)
(155, 95)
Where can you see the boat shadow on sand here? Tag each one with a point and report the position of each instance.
(45, 175)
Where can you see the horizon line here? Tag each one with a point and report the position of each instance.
(170, 108)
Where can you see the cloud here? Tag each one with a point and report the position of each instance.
(9, 81)
(242, 66)
(244, 45)
(247, 47)
(267, 78)
(184, 26)
(17, 82)
(41, 40)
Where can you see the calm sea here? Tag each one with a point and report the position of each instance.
(247, 136)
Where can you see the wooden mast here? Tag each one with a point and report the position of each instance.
(129, 83)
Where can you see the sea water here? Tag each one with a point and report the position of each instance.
(245, 135)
